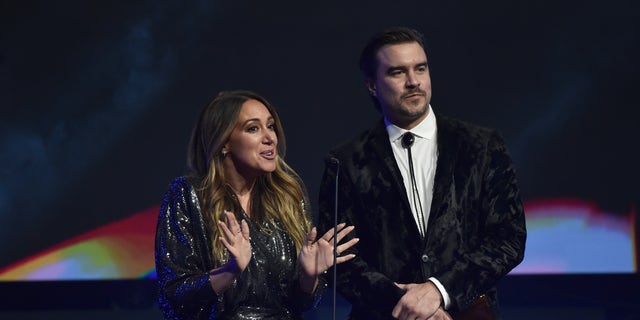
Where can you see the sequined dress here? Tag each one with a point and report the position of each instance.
(267, 289)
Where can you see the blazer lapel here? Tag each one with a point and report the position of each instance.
(443, 181)
(382, 148)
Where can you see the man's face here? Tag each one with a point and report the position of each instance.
(402, 84)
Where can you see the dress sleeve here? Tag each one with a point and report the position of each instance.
(302, 301)
(182, 256)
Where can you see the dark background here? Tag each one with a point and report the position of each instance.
(97, 99)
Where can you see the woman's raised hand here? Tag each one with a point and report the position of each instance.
(236, 239)
(317, 256)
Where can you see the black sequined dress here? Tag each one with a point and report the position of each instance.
(267, 289)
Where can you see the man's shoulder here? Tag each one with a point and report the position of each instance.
(463, 129)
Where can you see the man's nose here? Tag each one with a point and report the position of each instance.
(412, 80)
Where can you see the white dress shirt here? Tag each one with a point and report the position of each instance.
(424, 153)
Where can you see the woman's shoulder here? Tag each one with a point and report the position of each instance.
(182, 187)
(184, 182)
(181, 200)
(179, 185)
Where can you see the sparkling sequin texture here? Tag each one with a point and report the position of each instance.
(267, 289)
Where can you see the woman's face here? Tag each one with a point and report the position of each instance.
(252, 147)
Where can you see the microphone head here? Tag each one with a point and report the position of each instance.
(332, 161)
(407, 140)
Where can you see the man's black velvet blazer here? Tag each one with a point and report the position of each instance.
(476, 229)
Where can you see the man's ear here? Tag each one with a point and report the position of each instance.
(371, 86)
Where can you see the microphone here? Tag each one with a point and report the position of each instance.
(334, 162)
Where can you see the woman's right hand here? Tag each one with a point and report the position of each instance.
(236, 239)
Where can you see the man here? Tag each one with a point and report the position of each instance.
(438, 212)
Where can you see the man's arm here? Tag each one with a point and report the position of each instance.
(499, 241)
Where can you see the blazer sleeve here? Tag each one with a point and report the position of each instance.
(495, 239)
(182, 260)
(363, 286)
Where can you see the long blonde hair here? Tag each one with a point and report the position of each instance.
(277, 196)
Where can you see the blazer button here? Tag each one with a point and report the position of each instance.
(425, 258)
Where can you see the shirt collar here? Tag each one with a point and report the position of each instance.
(425, 129)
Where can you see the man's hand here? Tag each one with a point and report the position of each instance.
(421, 301)
(441, 315)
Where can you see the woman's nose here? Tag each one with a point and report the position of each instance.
(269, 137)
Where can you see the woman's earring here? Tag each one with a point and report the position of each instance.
(224, 154)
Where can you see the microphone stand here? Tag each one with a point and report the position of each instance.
(335, 234)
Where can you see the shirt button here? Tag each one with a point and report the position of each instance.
(425, 258)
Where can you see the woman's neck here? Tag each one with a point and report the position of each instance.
(243, 193)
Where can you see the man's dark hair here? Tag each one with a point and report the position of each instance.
(392, 35)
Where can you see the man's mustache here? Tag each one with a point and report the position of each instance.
(413, 92)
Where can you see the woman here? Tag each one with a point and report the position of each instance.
(234, 239)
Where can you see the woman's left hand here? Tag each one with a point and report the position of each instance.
(317, 256)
